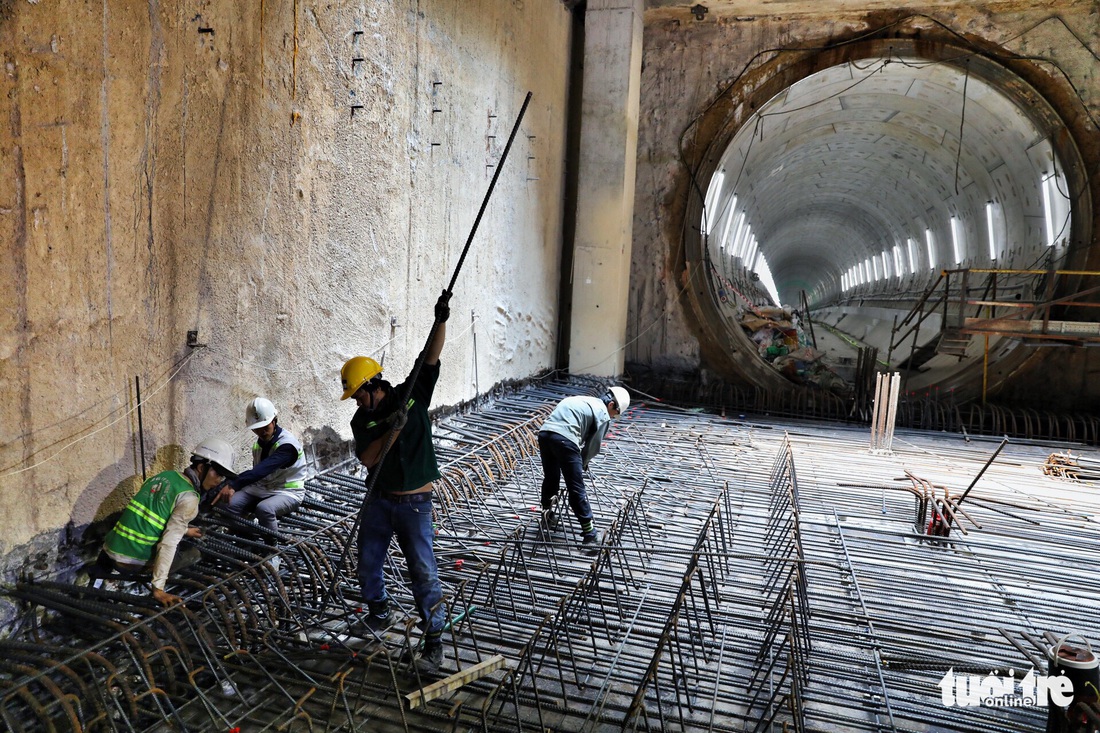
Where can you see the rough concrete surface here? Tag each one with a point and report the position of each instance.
(295, 181)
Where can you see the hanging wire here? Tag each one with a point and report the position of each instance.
(181, 364)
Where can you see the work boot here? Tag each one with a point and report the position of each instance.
(590, 543)
(379, 616)
(550, 520)
(430, 657)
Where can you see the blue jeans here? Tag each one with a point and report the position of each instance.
(410, 518)
(561, 457)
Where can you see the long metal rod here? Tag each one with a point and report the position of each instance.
(988, 463)
(141, 427)
(391, 436)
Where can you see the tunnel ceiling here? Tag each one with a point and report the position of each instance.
(852, 160)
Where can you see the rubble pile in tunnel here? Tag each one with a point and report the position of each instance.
(749, 574)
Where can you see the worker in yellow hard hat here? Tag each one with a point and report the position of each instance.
(401, 502)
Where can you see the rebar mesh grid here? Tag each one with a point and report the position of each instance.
(727, 594)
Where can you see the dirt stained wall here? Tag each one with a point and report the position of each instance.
(686, 63)
(294, 181)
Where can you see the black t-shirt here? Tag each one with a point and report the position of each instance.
(410, 463)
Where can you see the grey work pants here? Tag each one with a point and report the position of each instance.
(267, 510)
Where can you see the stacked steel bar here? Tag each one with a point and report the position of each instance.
(929, 410)
(781, 667)
(662, 629)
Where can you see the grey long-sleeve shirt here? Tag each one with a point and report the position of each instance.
(186, 509)
(584, 420)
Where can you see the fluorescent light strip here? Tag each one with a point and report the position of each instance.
(955, 240)
(737, 232)
(989, 228)
(1046, 184)
(729, 221)
(712, 197)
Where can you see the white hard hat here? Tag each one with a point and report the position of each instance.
(260, 412)
(621, 398)
(217, 451)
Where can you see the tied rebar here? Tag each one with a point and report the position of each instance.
(726, 594)
(781, 666)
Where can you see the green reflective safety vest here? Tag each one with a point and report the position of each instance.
(143, 520)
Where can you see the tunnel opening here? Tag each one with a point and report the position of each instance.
(847, 192)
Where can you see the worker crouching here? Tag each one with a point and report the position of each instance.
(148, 533)
(275, 485)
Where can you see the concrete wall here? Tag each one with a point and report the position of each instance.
(293, 180)
(687, 63)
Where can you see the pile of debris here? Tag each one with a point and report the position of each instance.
(781, 341)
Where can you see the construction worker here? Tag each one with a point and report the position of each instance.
(275, 485)
(568, 440)
(153, 523)
(401, 502)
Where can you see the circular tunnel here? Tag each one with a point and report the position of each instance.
(846, 189)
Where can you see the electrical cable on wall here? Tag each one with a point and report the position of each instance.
(180, 365)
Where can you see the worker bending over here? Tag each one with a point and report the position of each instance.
(401, 502)
(568, 440)
(275, 485)
(153, 523)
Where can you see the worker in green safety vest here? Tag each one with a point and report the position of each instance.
(147, 534)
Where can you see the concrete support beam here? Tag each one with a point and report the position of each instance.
(605, 196)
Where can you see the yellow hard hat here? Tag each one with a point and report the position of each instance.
(357, 371)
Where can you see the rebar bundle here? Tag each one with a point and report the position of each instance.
(747, 578)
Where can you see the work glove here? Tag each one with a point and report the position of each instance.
(442, 307)
(398, 420)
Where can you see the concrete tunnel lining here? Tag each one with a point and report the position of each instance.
(844, 160)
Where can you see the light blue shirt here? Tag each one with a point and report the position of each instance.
(584, 420)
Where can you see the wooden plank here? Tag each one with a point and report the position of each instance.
(455, 681)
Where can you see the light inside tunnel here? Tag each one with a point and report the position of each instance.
(1056, 208)
(1048, 212)
(767, 280)
(990, 231)
(846, 192)
(729, 220)
(839, 169)
(956, 243)
(711, 208)
(736, 250)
